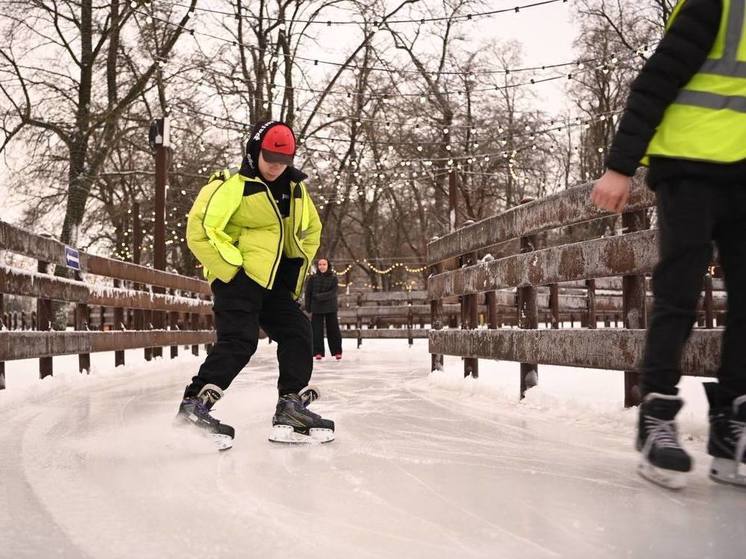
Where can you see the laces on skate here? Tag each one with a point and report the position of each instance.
(662, 432)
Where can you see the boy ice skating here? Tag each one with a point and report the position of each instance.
(255, 233)
(321, 302)
(687, 114)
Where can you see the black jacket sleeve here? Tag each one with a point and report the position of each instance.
(679, 56)
(330, 293)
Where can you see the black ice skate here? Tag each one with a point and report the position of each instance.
(195, 411)
(663, 460)
(294, 423)
(727, 441)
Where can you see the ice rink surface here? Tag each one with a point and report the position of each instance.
(423, 467)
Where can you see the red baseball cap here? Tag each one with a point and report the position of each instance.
(278, 145)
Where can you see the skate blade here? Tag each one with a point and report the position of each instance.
(200, 438)
(670, 479)
(223, 442)
(728, 471)
(287, 435)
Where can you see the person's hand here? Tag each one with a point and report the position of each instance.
(611, 192)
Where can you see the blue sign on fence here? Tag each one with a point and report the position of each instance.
(72, 257)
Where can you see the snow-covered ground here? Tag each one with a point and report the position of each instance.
(423, 466)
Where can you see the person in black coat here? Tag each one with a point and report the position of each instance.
(321, 302)
(685, 115)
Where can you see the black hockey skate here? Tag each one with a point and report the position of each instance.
(293, 423)
(727, 441)
(195, 411)
(663, 460)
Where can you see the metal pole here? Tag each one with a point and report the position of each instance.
(452, 200)
(162, 156)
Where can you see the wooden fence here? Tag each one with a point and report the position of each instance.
(157, 308)
(384, 315)
(603, 276)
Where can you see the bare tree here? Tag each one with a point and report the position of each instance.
(73, 109)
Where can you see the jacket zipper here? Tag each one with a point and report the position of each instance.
(282, 236)
(300, 248)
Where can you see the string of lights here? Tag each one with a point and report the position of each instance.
(378, 22)
(446, 131)
(604, 63)
(469, 158)
(582, 68)
(353, 67)
(406, 285)
(465, 73)
(387, 271)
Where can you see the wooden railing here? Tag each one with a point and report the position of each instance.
(384, 315)
(602, 277)
(154, 310)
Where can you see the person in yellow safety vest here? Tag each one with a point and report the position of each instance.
(686, 119)
(256, 232)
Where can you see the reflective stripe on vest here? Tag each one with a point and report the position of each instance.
(707, 121)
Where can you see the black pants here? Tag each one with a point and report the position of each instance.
(240, 307)
(334, 336)
(691, 216)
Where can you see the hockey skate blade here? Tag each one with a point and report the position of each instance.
(287, 435)
(670, 479)
(223, 442)
(724, 470)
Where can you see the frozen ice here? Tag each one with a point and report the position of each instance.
(424, 466)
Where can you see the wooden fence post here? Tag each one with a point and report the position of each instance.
(436, 321)
(554, 307)
(359, 325)
(410, 320)
(194, 321)
(174, 325)
(159, 323)
(633, 295)
(82, 319)
(470, 312)
(147, 320)
(119, 327)
(528, 317)
(591, 320)
(44, 323)
(490, 299)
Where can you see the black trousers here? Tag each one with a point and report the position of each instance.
(691, 216)
(240, 308)
(334, 336)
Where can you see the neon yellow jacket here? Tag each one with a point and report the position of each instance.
(234, 222)
(707, 121)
